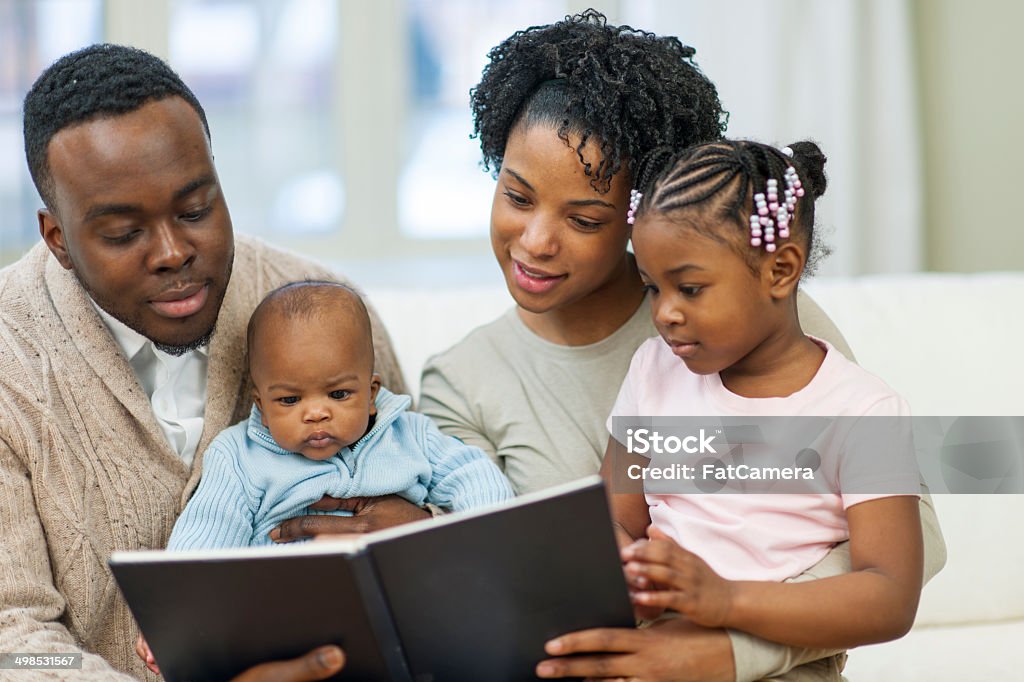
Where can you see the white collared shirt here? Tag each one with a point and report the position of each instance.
(176, 386)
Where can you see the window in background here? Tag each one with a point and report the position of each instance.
(847, 83)
(32, 36)
(264, 72)
(442, 191)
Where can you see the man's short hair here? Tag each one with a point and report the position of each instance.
(98, 81)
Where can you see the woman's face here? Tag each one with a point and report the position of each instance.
(558, 240)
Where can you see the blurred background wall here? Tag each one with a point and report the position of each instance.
(341, 127)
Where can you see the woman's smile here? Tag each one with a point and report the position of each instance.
(535, 281)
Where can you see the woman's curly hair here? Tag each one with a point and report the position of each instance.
(631, 91)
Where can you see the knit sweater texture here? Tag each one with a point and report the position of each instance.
(85, 469)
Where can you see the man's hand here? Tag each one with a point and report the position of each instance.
(368, 514)
(669, 651)
(318, 664)
(663, 575)
(142, 649)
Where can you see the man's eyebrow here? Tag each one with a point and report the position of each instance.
(193, 186)
(101, 210)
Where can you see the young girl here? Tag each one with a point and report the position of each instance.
(722, 238)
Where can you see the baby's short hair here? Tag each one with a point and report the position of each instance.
(311, 299)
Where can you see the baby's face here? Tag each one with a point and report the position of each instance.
(314, 384)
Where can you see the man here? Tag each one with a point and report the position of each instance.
(122, 346)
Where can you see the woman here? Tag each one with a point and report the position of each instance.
(568, 116)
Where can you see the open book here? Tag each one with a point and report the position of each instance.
(470, 596)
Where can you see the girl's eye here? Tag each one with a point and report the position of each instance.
(690, 291)
(516, 199)
(650, 288)
(288, 400)
(339, 394)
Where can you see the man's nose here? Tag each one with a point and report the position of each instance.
(171, 250)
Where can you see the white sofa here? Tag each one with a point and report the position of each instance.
(952, 345)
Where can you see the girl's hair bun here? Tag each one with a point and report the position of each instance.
(810, 164)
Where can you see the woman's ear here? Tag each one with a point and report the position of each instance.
(787, 264)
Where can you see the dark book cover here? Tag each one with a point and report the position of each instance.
(469, 596)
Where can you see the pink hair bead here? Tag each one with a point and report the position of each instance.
(769, 212)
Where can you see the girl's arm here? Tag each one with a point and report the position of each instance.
(630, 513)
(875, 603)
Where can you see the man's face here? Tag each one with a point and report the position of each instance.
(140, 219)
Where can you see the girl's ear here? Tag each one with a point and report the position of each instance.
(787, 264)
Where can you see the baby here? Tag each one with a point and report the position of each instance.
(322, 425)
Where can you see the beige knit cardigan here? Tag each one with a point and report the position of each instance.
(85, 469)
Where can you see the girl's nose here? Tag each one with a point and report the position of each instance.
(666, 314)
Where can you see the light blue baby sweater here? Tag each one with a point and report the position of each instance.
(250, 484)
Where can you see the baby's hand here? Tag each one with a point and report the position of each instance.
(665, 575)
(142, 649)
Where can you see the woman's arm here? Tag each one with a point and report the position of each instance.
(442, 401)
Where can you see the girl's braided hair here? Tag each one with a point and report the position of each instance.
(715, 183)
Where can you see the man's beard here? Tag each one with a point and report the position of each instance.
(175, 350)
(178, 351)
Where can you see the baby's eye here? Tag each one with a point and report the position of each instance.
(288, 400)
(650, 288)
(340, 394)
